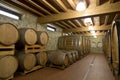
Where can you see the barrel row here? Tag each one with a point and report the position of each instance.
(111, 47)
(80, 43)
(20, 62)
(62, 57)
(9, 35)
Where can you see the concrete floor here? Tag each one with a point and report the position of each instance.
(91, 67)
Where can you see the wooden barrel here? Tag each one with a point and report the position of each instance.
(77, 55)
(26, 60)
(115, 37)
(41, 58)
(8, 66)
(108, 46)
(73, 55)
(8, 34)
(70, 56)
(42, 37)
(28, 36)
(58, 58)
(71, 42)
(62, 42)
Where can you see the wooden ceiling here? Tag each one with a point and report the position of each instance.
(62, 13)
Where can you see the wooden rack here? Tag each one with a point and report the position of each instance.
(34, 48)
(7, 50)
(33, 69)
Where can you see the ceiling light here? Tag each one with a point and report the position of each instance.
(90, 28)
(95, 36)
(80, 6)
(93, 32)
(88, 21)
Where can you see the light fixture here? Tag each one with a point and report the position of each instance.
(91, 27)
(93, 32)
(95, 36)
(88, 21)
(80, 6)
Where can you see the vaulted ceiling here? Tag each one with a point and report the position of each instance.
(62, 13)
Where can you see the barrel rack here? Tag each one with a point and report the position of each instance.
(33, 49)
(7, 50)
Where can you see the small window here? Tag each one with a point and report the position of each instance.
(51, 28)
(10, 13)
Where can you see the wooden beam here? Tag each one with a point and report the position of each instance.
(97, 34)
(49, 5)
(61, 25)
(103, 9)
(78, 22)
(66, 24)
(70, 22)
(103, 27)
(38, 6)
(60, 4)
(106, 19)
(97, 2)
(27, 7)
(72, 4)
(111, 1)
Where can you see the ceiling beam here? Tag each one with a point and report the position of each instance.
(70, 22)
(49, 5)
(38, 6)
(60, 25)
(103, 9)
(103, 27)
(29, 8)
(97, 2)
(66, 24)
(106, 19)
(60, 4)
(72, 4)
(97, 34)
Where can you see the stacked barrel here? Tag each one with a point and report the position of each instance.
(8, 63)
(111, 48)
(76, 42)
(28, 60)
(62, 58)
(21, 49)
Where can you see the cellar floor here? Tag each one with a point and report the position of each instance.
(91, 67)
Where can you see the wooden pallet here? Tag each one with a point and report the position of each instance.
(34, 48)
(58, 67)
(7, 50)
(33, 69)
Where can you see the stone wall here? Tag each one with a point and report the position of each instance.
(30, 21)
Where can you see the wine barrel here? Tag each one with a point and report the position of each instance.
(8, 34)
(8, 66)
(58, 58)
(108, 46)
(71, 42)
(41, 58)
(70, 56)
(28, 36)
(26, 61)
(62, 42)
(115, 39)
(74, 56)
(42, 37)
